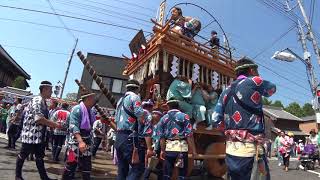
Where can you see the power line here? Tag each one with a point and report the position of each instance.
(283, 70)
(283, 77)
(84, 7)
(293, 90)
(292, 99)
(74, 17)
(313, 2)
(37, 50)
(279, 75)
(275, 41)
(207, 25)
(107, 5)
(64, 25)
(136, 5)
(278, 7)
(58, 27)
(100, 12)
(101, 9)
(95, 18)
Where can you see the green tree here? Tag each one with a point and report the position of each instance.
(19, 82)
(71, 97)
(295, 109)
(308, 110)
(266, 101)
(277, 103)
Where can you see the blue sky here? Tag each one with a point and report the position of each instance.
(250, 25)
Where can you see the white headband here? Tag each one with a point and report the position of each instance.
(132, 85)
(45, 85)
(87, 95)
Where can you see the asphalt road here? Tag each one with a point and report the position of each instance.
(103, 167)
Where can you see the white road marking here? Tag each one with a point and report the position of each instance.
(314, 172)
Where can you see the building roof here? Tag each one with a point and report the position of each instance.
(309, 118)
(15, 91)
(6, 55)
(280, 113)
(108, 66)
(295, 132)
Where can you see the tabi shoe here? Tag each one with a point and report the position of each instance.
(209, 128)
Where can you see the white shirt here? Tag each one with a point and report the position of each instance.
(314, 139)
(100, 126)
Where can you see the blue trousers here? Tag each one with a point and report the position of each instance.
(96, 144)
(170, 160)
(124, 148)
(159, 169)
(240, 168)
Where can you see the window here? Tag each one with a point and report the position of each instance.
(94, 85)
(116, 86)
(107, 82)
(123, 89)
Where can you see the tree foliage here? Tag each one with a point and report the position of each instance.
(277, 103)
(307, 109)
(266, 101)
(71, 97)
(295, 109)
(19, 82)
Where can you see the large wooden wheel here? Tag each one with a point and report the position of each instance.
(216, 167)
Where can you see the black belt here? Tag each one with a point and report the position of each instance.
(84, 132)
(128, 132)
(179, 139)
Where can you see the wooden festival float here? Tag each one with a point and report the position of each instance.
(158, 61)
(168, 55)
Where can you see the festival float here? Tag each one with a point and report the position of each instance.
(173, 63)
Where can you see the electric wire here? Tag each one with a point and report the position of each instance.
(74, 17)
(59, 27)
(275, 41)
(312, 10)
(97, 12)
(101, 9)
(36, 50)
(107, 5)
(273, 64)
(84, 7)
(60, 19)
(136, 5)
(278, 7)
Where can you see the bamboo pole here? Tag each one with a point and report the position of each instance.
(98, 79)
(105, 118)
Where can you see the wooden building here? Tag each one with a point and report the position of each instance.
(278, 119)
(10, 69)
(110, 69)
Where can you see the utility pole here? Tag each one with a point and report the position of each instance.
(68, 67)
(307, 61)
(307, 57)
(313, 40)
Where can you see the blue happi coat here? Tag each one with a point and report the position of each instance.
(145, 125)
(131, 102)
(175, 124)
(249, 91)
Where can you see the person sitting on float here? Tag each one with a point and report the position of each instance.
(199, 105)
(180, 89)
(187, 26)
(211, 98)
